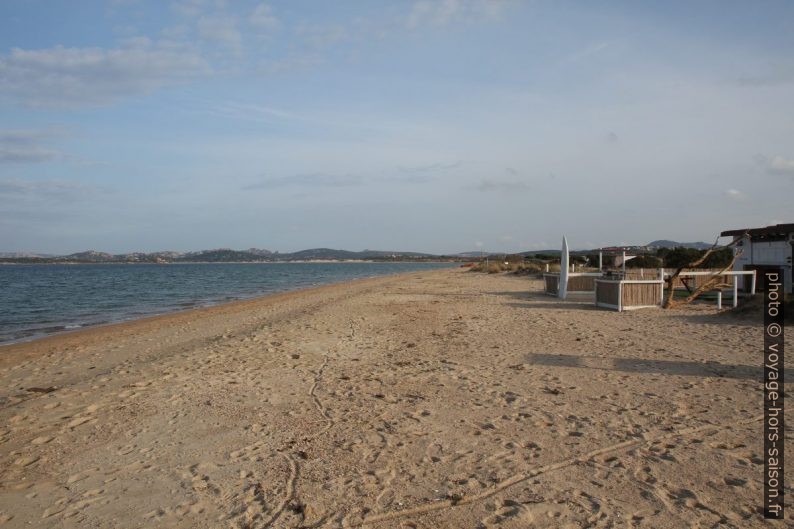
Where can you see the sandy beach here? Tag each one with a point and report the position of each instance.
(442, 399)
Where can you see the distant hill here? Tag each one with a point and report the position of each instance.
(91, 256)
(330, 254)
(12, 255)
(321, 253)
(673, 244)
(228, 255)
(530, 253)
(257, 251)
(540, 252)
(220, 255)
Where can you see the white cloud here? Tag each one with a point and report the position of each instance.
(777, 165)
(429, 167)
(24, 146)
(68, 77)
(253, 112)
(177, 33)
(780, 166)
(47, 189)
(444, 12)
(588, 51)
(291, 62)
(189, 8)
(27, 155)
(779, 75)
(262, 18)
(308, 180)
(221, 29)
(506, 186)
(734, 194)
(322, 36)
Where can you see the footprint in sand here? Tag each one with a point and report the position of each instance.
(544, 515)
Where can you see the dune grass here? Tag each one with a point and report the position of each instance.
(515, 267)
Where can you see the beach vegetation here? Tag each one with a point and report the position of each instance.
(681, 257)
(520, 267)
(644, 261)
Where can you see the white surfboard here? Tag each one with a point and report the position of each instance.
(562, 289)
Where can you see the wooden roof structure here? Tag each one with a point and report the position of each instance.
(777, 229)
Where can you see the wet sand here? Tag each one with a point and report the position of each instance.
(433, 399)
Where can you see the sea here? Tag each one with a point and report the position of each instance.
(41, 299)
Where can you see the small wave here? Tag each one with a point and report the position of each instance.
(79, 296)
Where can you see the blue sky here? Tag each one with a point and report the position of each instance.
(437, 126)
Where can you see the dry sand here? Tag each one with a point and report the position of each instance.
(433, 399)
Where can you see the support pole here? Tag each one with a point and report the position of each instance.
(661, 286)
(719, 300)
(752, 282)
(735, 291)
(624, 263)
(547, 267)
(600, 261)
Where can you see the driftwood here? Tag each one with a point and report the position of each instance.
(712, 283)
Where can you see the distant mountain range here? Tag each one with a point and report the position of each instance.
(647, 248)
(227, 255)
(13, 255)
(221, 255)
(663, 243)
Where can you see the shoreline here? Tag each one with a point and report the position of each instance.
(200, 309)
(302, 261)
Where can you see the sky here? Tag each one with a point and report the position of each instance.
(438, 126)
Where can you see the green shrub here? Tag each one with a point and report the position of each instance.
(644, 261)
(683, 257)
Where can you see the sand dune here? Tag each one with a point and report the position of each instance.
(432, 399)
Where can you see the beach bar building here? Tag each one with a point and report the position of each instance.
(763, 249)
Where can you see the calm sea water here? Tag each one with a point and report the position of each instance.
(36, 300)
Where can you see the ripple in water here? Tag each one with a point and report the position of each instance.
(37, 300)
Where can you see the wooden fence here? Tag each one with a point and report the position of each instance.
(551, 282)
(638, 289)
(578, 282)
(607, 293)
(628, 294)
(583, 283)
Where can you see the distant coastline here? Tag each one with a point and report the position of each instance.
(226, 255)
(313, 255)
(11, 261)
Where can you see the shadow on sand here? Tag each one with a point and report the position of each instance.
(716, 318)
(519, 294)
(659, 367)
(539, 300)
(561, 305)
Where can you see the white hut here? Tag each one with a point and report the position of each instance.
(765, 248)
